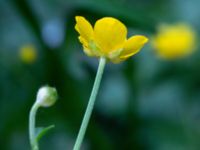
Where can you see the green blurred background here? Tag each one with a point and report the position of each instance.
(144, 103)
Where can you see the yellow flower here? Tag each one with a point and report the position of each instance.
(108, 39)
(174, 41)
(28, 53)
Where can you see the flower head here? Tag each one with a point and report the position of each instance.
(28, 53)
(46, 96)
(108, 38)
(174, 41)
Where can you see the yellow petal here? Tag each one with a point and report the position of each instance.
(85, 46)
(133, 45)
(83, 41)
(84, 28)
(89, 47)
(109, 34)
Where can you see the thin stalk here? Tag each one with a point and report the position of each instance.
(34, 144)
(90, 105)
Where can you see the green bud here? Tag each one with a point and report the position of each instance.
(46, 96)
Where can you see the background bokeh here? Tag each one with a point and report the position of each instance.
(145, 103)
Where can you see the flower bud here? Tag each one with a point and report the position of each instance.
(46, 96)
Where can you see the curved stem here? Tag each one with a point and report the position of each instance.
(90, 105)
(32, 115)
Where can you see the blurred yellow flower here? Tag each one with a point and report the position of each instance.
(108, 39)
(174, 41)
(28, 53)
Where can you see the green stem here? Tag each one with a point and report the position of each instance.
(34, 144)
(90, 105)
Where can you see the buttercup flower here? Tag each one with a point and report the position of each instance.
(174, 41)
(108, 39)
(28, 53)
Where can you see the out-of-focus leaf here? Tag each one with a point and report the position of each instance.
(40, 132)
